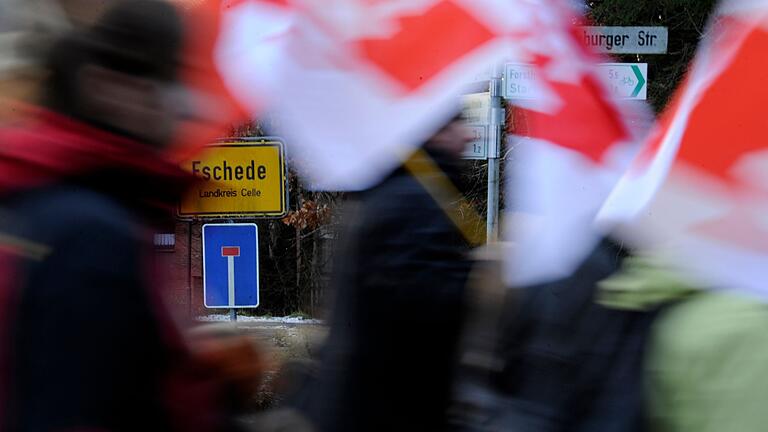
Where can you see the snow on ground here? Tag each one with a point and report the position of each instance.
(243, 318)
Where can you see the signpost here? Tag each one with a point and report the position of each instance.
(626, 40)
(520, 82)
(231, 266)
(496, 119)
(485, 117)
(626, 80)
(238, 178)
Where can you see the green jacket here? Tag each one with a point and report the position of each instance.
(707, 363)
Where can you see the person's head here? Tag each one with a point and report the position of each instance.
(120, 74)
(452, 138)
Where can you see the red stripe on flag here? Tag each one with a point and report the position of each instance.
(586, 123)
(199, 72)
(426, 44)
(233, 3)
(729, 122)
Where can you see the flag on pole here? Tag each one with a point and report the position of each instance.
(570, 141)
(697, 195)
(359, 84)
(209, 107)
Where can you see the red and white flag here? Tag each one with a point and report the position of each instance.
(697, 195)
(570, 142)
(208, 104)
(358, 84)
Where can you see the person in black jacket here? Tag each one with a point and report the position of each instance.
(573, 364)
(400, 298)
(85, 342)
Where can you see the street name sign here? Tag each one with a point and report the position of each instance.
(626, 80)
(520, 81)
(230, 266)
(626, 40)
(237, 178)
(476, 111)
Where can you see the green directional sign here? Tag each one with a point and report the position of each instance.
(626, 80)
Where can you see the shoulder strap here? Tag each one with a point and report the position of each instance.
(426, 171)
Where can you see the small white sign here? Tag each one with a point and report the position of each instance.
(478, 147)
(520, 81)
(476, 112)
(476, 108)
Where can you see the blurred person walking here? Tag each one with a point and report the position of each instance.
(85, 342)
(704, 367)
(400, 282)
(571, 362)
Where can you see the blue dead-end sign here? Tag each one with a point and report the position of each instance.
(231, 266)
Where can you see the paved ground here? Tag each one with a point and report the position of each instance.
(287, 342)
(289, 338)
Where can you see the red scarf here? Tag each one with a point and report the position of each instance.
(50, 147)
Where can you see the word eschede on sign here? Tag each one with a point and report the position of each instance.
(228, 172)
(237, 178)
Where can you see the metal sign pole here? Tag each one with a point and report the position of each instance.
(495, 135)
(231, 283)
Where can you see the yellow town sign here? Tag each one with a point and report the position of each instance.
(238, 178)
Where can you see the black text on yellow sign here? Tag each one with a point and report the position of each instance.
(238, 178)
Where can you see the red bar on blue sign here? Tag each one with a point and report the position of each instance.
(228, 251)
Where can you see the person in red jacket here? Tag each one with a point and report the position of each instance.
(85, 342)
